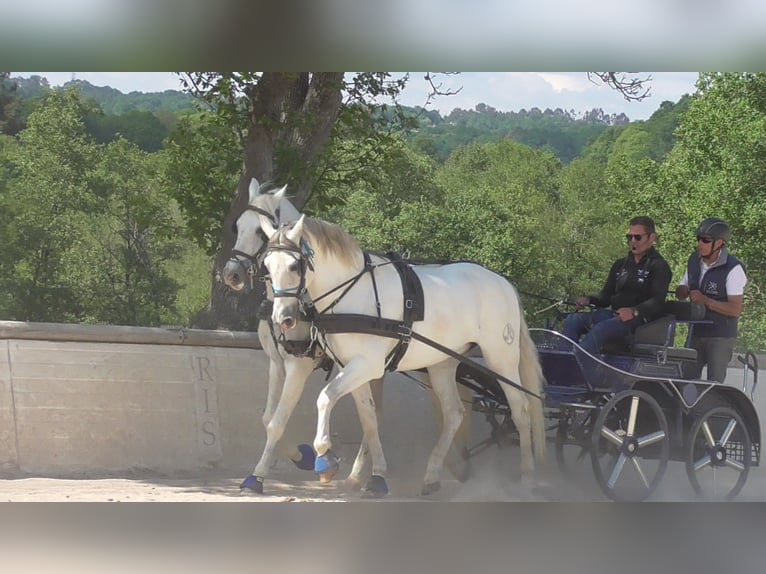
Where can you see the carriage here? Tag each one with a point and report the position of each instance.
(629, 411)
(633, 409)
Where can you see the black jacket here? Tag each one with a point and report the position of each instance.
(643, 285)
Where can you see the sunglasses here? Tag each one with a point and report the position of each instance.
(705, 239)
(635, 237)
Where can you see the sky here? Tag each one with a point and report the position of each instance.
(504, 91)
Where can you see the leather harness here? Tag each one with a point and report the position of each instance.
(324, 323)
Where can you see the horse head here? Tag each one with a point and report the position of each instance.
(251, 241)
(288, 259)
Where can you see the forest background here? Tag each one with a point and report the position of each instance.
(112, 206)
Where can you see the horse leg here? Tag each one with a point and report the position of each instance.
(297, 371)
(443, 383)
(458, 461)
(354, 479)
(365, 406)
(505, 362)
(355, 374)
(276, 372)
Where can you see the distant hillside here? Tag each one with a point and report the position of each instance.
(112, 101)
(565, 133)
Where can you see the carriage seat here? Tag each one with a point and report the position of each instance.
(655, 339)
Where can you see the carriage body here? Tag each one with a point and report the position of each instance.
(641, 389)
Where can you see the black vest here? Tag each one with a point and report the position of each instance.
(713, 284)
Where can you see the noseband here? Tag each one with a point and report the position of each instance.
(246, 261)
(305, 256)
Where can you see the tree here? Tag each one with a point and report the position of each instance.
(717, 169)
(87, 235)
(10, 121)
(285, 122)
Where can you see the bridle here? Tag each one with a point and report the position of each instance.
(304, 255)
(248, 262)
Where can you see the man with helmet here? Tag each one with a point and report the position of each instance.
(634, 291)
(715, 279)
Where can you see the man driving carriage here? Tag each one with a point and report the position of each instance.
(633, 294)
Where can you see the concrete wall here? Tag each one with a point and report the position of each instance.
(71, 405)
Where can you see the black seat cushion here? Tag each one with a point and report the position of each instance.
(681, 353)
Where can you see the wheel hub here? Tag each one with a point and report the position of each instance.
(629, 447)
(718, 455)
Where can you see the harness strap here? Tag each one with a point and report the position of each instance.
(365, 324)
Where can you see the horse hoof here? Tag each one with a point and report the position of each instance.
(463, 472)
(326, 466)
(376, 487)
(430, 488)
(252, 485)
(308, 457)
(353, 484)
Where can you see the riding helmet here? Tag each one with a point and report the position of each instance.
(715, 228)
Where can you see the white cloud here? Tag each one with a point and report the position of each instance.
(567, 82)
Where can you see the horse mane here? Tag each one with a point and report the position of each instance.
(333, 240)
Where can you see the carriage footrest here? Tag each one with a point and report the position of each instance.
(558, 393)
(682, 353)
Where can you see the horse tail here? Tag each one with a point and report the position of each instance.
(532, 379)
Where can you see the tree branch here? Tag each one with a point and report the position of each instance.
(630, 86)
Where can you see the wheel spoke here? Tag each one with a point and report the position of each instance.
(651, 438)
(702, 463)
(639, 470)
(727, 432)
(735, 464)
(611, 436)
(617, 470)
(633, 414)
(708, 435)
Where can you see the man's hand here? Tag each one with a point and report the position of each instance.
(582, 302)
(625, 314)
(682, 292)
(698, 297)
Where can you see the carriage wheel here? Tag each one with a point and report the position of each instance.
(630, 446)
(719, 454)
(573, 439)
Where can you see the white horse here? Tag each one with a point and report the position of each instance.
(465, 304)
(287, 373)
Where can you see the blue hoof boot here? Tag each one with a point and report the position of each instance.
(376, 487)
(308, 457)
(327, 463)
(252, 484)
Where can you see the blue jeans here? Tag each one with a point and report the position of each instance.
(601, 326)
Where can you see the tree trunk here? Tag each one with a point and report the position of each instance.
(290, 124)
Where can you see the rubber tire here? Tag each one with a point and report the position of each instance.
(596, 445)
(691, 457)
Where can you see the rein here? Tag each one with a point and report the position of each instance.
(364, 324)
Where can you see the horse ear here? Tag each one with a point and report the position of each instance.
(296, 232)
(267, 227)
(254, 190)
(280, 195)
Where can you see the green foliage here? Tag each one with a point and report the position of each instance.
(558, 131)
(202, 162)
(141, 128)
(717, 169)
(87, 234)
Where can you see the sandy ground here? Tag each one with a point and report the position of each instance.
(495, 477)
